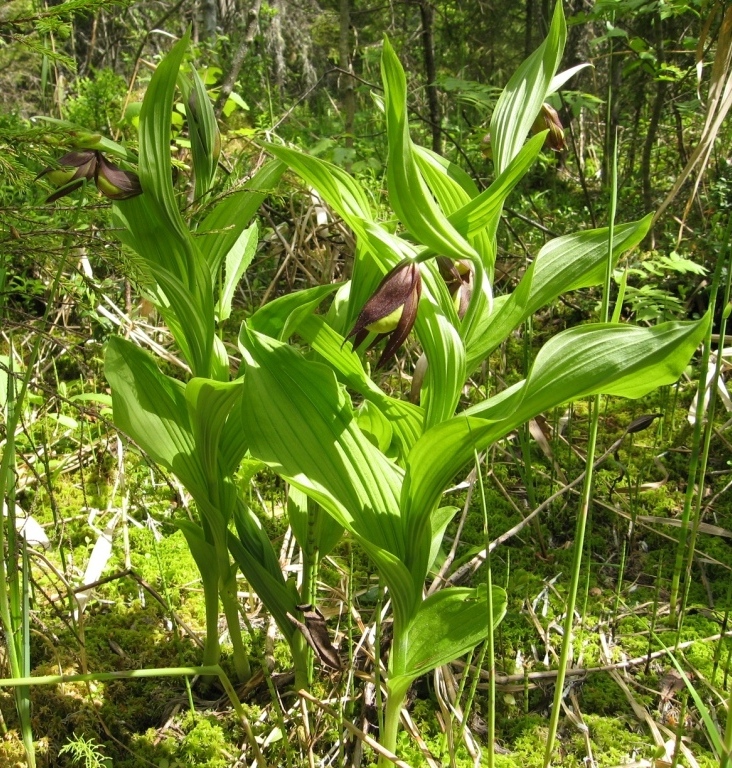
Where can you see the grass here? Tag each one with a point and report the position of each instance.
(151, 720)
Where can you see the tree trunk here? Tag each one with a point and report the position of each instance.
(653, 123)
(528, 29)
(428, 48)
(238, 59)
(344, 61)
(209, 19)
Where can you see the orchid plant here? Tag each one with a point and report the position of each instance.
(370, 463)
(190, 270)
(379, 465)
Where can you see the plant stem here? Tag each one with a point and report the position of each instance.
(579, 537)
(696, 439)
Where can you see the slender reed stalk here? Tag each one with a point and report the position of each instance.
(587, 489)
(490, 649)
(696, 444)
(723, 263)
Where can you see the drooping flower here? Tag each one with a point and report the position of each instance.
(115, 183)
(549, 118)
(458, 277)
(76, 167)
(391, 310)
(72, 170)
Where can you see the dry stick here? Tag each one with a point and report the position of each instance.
(550, 674)
(357, 732)
(472, 565)
(440, 578)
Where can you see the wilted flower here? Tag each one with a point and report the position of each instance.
(548, 118)
(90, 165)
(391, 310)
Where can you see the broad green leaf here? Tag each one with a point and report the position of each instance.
(446, 369)
(592, 359)
(405, 418)
(253, 553)
(300, 421)
(454, 189)
(151, 408)
(441, 518)
(448, 624)
(409, 195)
(209, 405)
(193, 313)
(427, 159)
(484, 210)
(563, 264)
(521, 99)
(238, 258)
(232, 446)
(283, 316)
(375, 426)
(203, 132)
(155, 167)
(340, 190)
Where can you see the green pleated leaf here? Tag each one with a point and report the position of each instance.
(592, 359)
(483, 212)
(563, 264)
(203, 132)
(454, 189)
(253, 553)
(238, 259)
(209, 405)
(521, 99)
(151, 408)
(300, 421)
(409, 195)
(155, 117)
(338, 188)
(447, 625)
(405, 418)
(283, 316)
(446, 371)
(193, 314)
(374, 425)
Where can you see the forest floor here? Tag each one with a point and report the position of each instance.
(623, 697)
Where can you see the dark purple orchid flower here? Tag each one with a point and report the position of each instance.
(76, 167)
(391, 310)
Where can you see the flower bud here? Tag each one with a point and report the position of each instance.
(549, 119)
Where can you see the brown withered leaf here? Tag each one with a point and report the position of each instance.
(316, 635)
(642, 422)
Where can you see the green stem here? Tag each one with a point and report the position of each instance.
(396, 691)
(230, 603)
(696, 438)
(579, 537)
